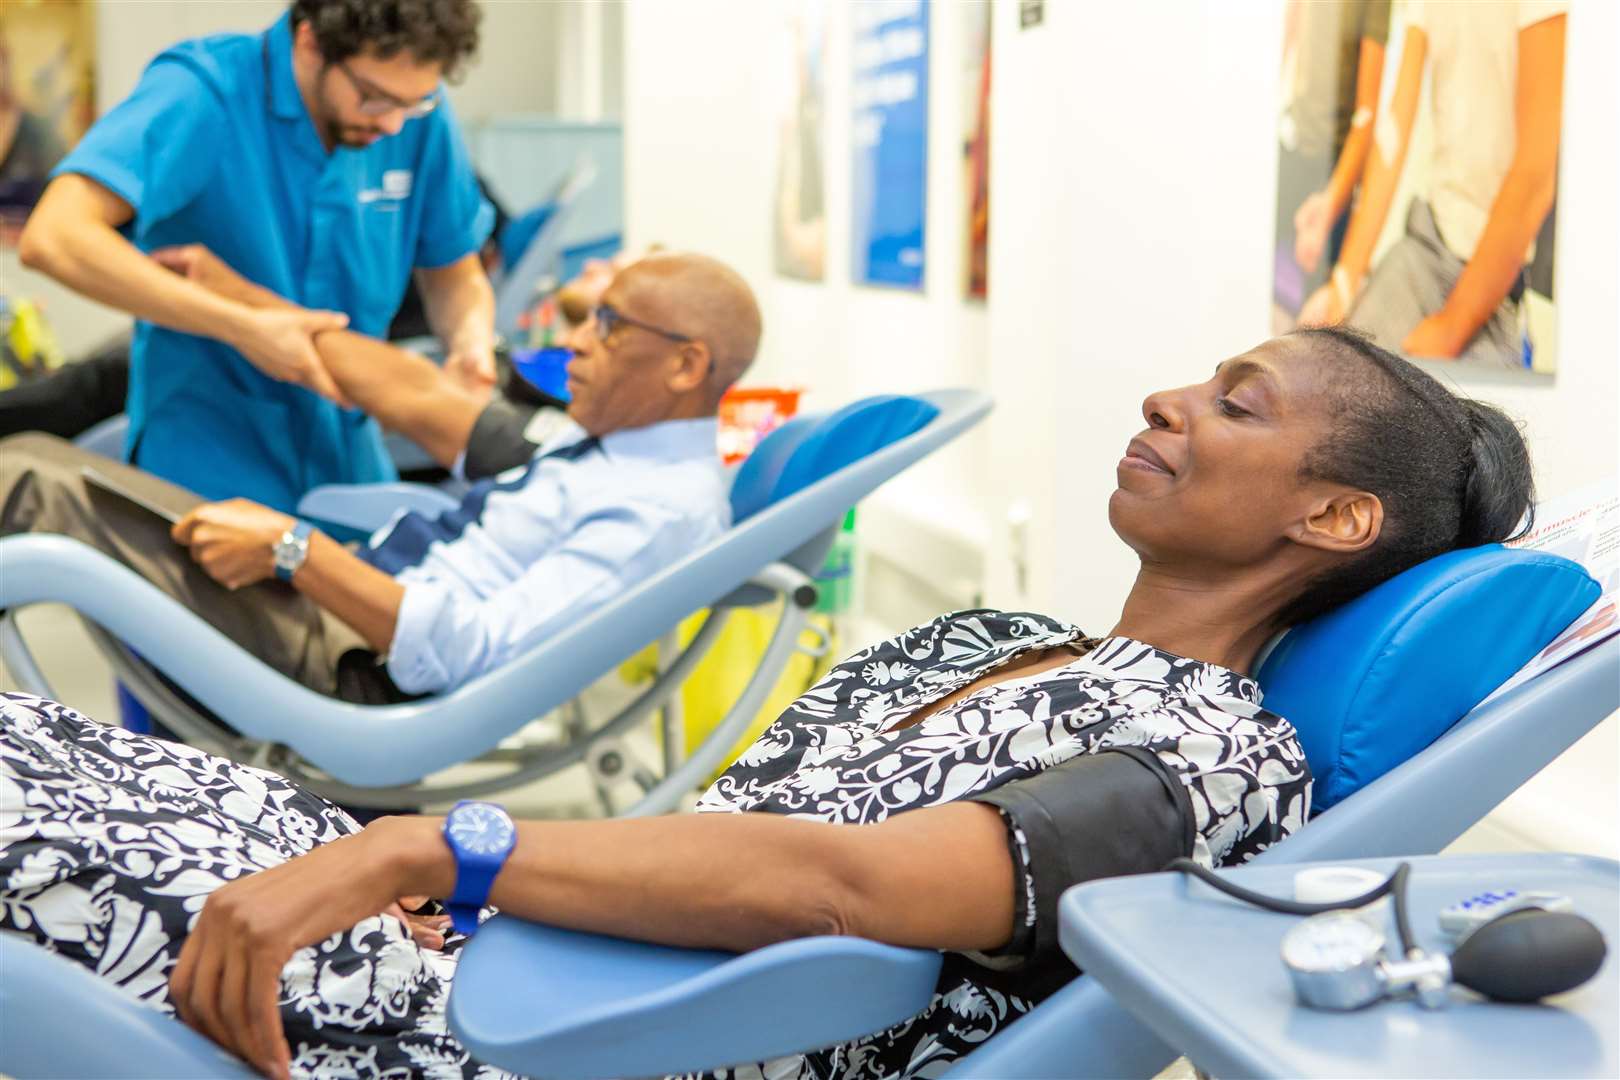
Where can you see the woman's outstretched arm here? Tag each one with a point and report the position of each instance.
(935, 878)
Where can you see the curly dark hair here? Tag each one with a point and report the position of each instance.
(1451, 472)
(432, 31)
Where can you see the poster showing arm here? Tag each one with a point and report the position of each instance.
(890, 142)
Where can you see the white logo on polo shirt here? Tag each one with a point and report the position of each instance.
(396, 185)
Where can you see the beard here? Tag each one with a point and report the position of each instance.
(353, 135)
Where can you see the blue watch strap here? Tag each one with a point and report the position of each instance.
(480, 835)
(474, 876)
(463, 917)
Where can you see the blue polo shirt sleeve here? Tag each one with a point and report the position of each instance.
(456, 218)
(158, 148)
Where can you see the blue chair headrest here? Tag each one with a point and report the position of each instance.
(1369, 685)
(806, 449)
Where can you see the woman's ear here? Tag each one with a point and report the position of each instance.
(693, 364)
(1347, 522)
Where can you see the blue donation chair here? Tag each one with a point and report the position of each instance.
(787, 500)
(1384, 692)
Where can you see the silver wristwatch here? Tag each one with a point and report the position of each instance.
(292, 549)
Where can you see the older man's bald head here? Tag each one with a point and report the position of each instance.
(704, 299)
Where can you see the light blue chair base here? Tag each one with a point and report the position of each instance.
(59, 1022)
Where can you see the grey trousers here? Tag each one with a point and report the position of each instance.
(1411, 282)
(42, 489)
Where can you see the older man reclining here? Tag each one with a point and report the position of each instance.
(627, 484)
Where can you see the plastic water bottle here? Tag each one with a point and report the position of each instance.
(835, 582)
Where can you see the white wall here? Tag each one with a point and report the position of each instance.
(1132, 184)
(1165, 158)
(700, 159)
(1142, 137)
(1133, 163)
(1150, 183)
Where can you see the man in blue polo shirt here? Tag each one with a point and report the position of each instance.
(320, 159)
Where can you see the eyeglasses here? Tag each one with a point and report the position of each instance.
(608, 319)
(378, 102)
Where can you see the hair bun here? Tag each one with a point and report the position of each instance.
(1498, 489)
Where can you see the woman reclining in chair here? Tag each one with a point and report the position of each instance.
(938, 790)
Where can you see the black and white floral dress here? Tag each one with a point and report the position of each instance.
(840, 754)
(110, 842)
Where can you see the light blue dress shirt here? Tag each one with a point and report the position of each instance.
(548, 543)
(215, 146)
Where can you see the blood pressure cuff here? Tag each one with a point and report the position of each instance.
(1095, 816)
(508, 432)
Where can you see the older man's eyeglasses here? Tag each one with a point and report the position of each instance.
(608, 319)
(375, 101)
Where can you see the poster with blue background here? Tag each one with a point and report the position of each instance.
(890, 142)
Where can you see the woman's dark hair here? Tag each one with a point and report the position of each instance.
(1451, 472)
(432, 31)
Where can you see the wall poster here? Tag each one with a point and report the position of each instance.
(1421, 210)
(889, 199)
(47, 98)
(976, 146)
(799, 208)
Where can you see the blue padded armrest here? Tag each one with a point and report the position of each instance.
(1376, 681)
(365, 508)
(554, 1003)
(58, 1020)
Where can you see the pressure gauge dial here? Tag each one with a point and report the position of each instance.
(1334, 961)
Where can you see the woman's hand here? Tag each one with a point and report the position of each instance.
(426, 930)
(227, 981)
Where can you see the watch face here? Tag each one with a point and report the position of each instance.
(1331, 942)
(480, 829)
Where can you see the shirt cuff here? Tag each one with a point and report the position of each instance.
(109, 174)
(437, 253)
(413, 663)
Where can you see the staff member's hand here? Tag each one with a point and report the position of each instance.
(472, 363)
(233, 541)
(227, 980)
(277, 337)
(281, 343)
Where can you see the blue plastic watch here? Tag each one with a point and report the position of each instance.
(481, 835)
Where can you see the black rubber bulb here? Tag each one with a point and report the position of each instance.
(1528, 955)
